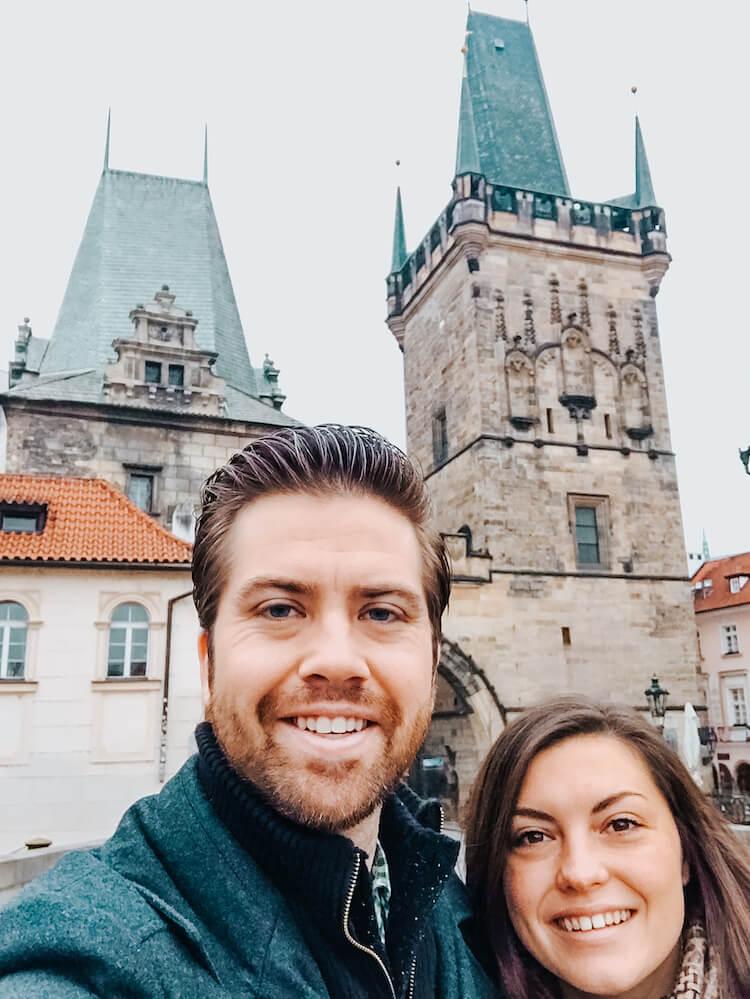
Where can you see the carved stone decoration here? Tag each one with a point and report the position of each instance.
(501, 330)
(555, 315)
(583, 294)
(640, 342)
(636, 408)
(521, 390)
(578, 373)
(529, 331)
(614, 340)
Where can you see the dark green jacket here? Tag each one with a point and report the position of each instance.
(174, 906)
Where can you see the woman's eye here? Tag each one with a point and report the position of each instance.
(623, 825)
(529, 838)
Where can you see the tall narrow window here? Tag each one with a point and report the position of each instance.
(550, 422)
(439, 436)
(730, 643)
(608, 426)
(565, 635)
(141, 490)
(587, 535)
(13, 622)
(128, 641)
(737, 706)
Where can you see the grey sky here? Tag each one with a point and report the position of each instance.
(308, 107)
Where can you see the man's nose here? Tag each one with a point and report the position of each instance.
(582, 865)
(335, 653)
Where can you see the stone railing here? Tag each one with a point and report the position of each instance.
(515, 212)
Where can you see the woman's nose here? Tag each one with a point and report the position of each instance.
(582, 866)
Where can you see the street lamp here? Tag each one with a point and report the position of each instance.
(657, 696)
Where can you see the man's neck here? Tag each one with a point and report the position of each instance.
(365, 834)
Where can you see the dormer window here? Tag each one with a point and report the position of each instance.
(23, 518)
(736, 583)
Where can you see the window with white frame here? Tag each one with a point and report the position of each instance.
(127, 653)
(737, 704)
(736, 583)
(730, 643)
(13, 630)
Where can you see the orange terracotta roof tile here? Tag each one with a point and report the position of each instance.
(718, 572)
(88, 520)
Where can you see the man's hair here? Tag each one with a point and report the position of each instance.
(317, 461)
(719, 887)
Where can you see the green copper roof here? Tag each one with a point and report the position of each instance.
(399, 236)
(467, 152)
(515, 132)
(644, 188)
(143, 232)
(644, 196)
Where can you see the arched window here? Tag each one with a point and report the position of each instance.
(128, 641)
(13, 621)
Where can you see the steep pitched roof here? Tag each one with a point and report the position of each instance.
(87, 520)
(144, 231)
(514, 127)
(717, 573)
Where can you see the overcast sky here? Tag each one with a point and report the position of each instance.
(310, 104)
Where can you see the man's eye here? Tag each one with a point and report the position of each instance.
(279, 612)
(380, 614)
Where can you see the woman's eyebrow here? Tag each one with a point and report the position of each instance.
(533, 813)
(613, 798)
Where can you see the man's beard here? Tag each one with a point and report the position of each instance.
(325, 795)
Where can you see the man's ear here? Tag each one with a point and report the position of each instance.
(203, 657)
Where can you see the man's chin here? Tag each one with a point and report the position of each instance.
(316, 800)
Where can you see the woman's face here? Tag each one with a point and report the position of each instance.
(594, 877)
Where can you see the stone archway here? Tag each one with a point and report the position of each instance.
(467, 718)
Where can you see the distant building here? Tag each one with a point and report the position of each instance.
(146, 379)
(99, 680)
(721, 595)
(535, 404)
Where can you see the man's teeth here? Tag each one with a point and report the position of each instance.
(324, 725)
(582, 924)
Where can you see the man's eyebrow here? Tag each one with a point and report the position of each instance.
(534, 813)
(251, 586)
(385, 589)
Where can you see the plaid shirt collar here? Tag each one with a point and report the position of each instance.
(380, 880)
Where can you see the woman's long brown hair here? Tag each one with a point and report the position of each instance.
(718, 891)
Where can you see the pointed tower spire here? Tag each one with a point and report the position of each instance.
(644, 188)
(705, 548)
(399, 236)
(205, 155)
(467, 150)
(106, 143)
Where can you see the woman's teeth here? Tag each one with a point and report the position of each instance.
(582, 924)
(325, 725)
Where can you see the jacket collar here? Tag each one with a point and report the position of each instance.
(314, 869)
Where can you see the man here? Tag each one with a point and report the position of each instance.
(286, 859)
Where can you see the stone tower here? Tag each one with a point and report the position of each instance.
(146, 379)
(535, 404)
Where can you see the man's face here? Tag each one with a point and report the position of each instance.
(322, 679)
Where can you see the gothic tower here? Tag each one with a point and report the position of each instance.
(146, 379)
(535, 404)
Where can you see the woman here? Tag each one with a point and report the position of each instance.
(598, 868)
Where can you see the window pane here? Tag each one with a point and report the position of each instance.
(20, 522)
(11, 611)
(141, 491)
(15, 668)
(138, 668)
(176, 374)
(115, 668)
(588, 554)
(585, 516)
(137, 612)
(153, 372)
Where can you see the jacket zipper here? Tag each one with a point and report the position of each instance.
(350, 938)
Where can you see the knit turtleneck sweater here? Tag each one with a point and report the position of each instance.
(323, 877)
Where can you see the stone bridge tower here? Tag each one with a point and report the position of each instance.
(535, 404)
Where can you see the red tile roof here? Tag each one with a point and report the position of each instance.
(718, 571)
(88, 520)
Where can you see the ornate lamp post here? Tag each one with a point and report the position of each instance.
(657, 696)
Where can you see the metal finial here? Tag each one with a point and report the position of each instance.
(106, 144)
(527, 10)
